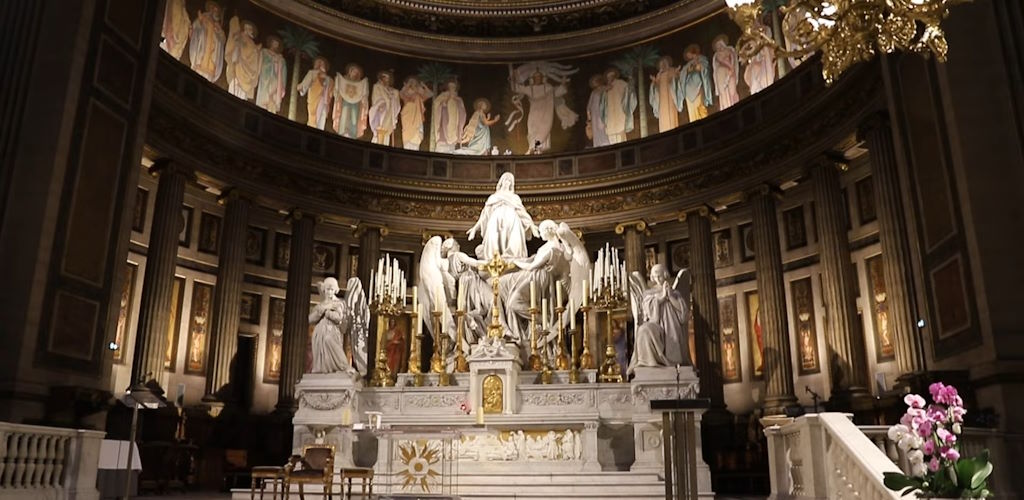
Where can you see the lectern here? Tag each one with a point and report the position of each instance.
(679, 444)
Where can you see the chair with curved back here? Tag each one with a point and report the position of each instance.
(315, 466)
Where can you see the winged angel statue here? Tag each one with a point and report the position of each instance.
(339, 337)
(661, 313)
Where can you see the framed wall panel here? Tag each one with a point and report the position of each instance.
(199, 328)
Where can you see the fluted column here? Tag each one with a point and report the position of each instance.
(845, 339)
(227, 296)
(158, 283)
(778, 365)
(296, 307)
(896, 258)
(633, 235)
(704, 303)
(370, 236)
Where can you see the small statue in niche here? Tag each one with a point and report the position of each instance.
(661, 313)
(341, 327)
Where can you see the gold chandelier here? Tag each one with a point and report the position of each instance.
(844, 31)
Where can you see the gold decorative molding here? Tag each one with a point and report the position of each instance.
(362, 227)
(702, 210)
(639, 225)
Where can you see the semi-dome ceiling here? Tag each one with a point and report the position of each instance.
(494, 30)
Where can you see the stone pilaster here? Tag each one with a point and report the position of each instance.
(778, 364)
(896, 257)
(296, 307)
(158, 283)
(227, 297)
(845, 339)
(370, 236)
(704, 304)
(633, 235)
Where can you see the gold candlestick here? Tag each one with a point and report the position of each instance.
(461, 365)
(382, 376)
(437, 364)
(496, 266)
(415, 341)
(610, 300)
(586, 359)
(546, 373)
(574, 371)
(534, 363)
(561, 360)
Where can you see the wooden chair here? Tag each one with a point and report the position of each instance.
(260, 476)
(315, 466)
(365, 474)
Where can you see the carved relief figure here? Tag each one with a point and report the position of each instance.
(383, 115)
(595, 115)
(726, 72)
(351, 98)
(476, 137)
(696, 83)
(414, 95)
(273, 72)
(448, 118)
(661, 311)
(176, 28)
(666, 94)
(206, 45)
(242, 59)
(619, 106)
(316, 86)
(546, 100)
(492, 394)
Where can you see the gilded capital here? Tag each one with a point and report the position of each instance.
(297, 214)
(363, 227)
(233, 194)
(637, 225)
(762, 190)
(699, 211)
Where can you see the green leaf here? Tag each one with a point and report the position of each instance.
(897, 481)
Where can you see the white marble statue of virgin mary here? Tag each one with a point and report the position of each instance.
(504, 223)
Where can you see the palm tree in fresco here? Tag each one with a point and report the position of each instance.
(435, 74)
(634, 62)
(300, 44)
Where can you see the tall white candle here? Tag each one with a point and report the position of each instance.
(558, 293)
(586, 294)
(415, 299)
(462, 297)
(533, 295)
(439, 298)
(544, 314)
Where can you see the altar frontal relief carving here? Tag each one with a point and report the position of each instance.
(553, 445)
(492, 396)
(420, 465)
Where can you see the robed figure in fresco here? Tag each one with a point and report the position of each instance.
(476, 137)
(175, 28)
(661, 313)
(351, 98)
(546, 100)
(383, 114)
(448, 118)
(316, 86)
(726, 72)
(504, 223)
(414, 95)
(273, 75)
(595, 112)
(619, 105)
(242, 59)
(696, 83)
(760, 70)
(666, 95)
(206, 45)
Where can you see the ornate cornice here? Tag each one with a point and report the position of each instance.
(773, 149)
(493, 32)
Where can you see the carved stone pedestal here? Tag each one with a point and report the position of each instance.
(327, 404)
(494, 377)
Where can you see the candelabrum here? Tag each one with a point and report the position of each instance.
(496, 266)
(586, 358)
(437, 361)
(535, 363)
(415, 343)
(562, 359)
(386, 307)
(609, 299)
(461, 365)
(574, 371)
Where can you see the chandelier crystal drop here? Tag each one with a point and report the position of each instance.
(844, 31)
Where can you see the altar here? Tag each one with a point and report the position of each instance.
(519, 397)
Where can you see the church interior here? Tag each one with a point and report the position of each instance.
(498, 249)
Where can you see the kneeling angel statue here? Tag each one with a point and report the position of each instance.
(339, 337)
(660, 313)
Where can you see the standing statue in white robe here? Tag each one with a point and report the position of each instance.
(661, 313)
(619, 106)
(504, 223)
(383, 115)
(333, 321)
(726, 72)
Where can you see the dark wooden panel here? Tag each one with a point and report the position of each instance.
(596, 163)
(74, 327)
(407, 165)
(535, 170)
(471, 170)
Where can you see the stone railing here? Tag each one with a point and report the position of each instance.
(47, 462)
(825, 456)
(1001, 447)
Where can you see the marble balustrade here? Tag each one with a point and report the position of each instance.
(46, 462)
